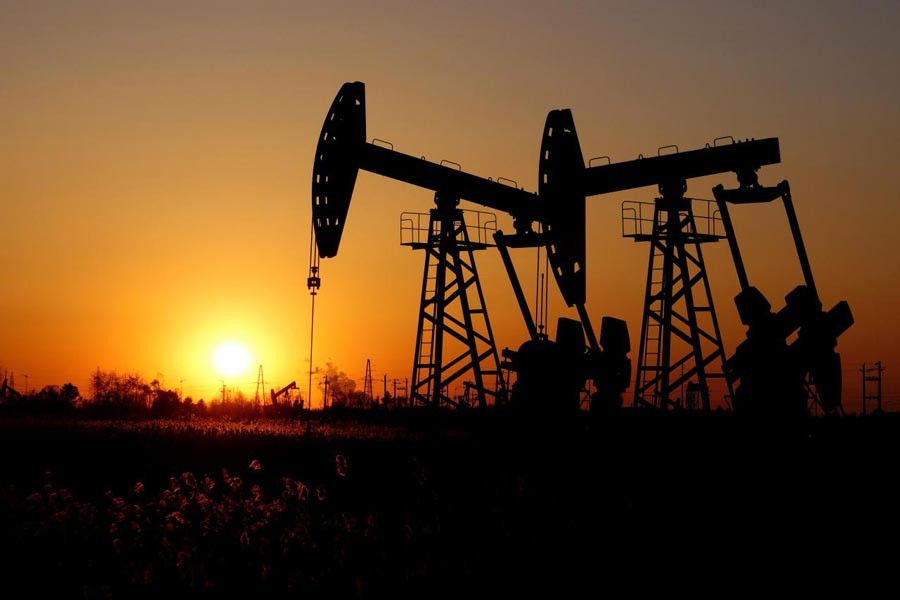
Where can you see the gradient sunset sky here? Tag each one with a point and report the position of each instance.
(155, 165)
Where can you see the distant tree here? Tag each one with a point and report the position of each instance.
(126, 393)
(46, 401)
(357, 399)
(239, 398)
(69, 393)
(165, 403)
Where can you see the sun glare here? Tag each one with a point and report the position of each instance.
(231, 358)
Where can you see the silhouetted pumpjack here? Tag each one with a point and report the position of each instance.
(7, 391)
(342, 150)
(282, 392)
(670, 307)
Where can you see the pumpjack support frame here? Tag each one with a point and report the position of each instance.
(680, 336)
(452, 312)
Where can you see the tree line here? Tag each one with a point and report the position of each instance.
(114, 394)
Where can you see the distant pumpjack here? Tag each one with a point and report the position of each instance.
(7, 391)
(282, 392)
(774, 376)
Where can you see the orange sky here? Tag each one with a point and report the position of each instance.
(155, 163)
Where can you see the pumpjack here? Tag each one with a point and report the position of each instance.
(680, 337)
(276, 396)
(7, 391)
(771, 375)
(450, 275)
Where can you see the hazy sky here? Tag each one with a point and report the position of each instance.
(155, 164)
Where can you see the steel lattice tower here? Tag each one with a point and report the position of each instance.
(367, 383)
(454, 336)
(680, 339)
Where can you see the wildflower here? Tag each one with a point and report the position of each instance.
(189, 480)
(341, 465)
(302, 491)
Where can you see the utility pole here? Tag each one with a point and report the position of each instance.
(862, 370)
(867, 376)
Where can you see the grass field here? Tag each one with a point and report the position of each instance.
(437, 508)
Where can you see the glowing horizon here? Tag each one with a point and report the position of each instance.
(156, 169)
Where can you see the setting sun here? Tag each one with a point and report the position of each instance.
(231, 358)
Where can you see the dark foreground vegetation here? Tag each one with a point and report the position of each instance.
(444, 507)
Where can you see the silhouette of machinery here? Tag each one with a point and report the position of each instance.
(680, 338)
(283, 392)
(450, 278)
(448, 307)
(681, 342)
(7, 391)
(562, 233)
(774, 375)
